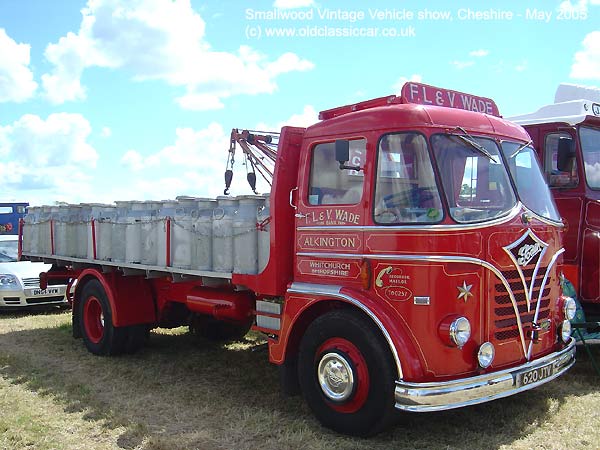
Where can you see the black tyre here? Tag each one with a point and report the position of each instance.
(137, 336)
(99, 334)
(346, 373)
(209, 328)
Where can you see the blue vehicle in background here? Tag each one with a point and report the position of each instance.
(20, 280)
(10, 214)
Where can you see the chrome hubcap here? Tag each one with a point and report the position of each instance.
(335, 377)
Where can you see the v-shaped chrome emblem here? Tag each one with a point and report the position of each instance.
(527, 250)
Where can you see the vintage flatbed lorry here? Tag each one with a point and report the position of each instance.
(406, 259)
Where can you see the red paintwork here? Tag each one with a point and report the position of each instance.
(580, 209)
(93, 226)
(130, 298)
(168, 242)
(92, 320)
(20, 244)
(52, 237)
(223, 305)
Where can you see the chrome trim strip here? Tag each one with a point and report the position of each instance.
(437, 258)
(334, 291)
(438, 396)
(543, 285)
(544, 219)
(418, 227)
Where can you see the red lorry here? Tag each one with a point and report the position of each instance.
(413, 263)
(566, 135)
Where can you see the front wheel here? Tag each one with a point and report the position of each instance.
(346, 373)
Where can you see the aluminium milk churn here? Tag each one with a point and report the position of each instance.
(222, 227)
(245, 245)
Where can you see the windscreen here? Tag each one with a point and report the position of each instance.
(475, 180)
(590, 144)
(528, 178)
(405, 190)
(8, 250)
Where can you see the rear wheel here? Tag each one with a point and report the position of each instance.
(99, 334)
(346, 373)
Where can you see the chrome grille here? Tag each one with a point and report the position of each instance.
(31, 282)
(505, 320)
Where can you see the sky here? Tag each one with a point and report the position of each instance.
(104, 100)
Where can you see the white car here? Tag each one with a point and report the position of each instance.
(20, 280)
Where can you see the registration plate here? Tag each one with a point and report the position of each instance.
(535, 375)
(48, 291)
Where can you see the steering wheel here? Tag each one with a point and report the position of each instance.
(387, 216)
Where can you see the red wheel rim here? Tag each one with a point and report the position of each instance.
(342, 375)
(93, 319)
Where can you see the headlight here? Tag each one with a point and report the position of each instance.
(486, 354)
(8, 281)
(569, 308)
(565, 331)
(460, 331)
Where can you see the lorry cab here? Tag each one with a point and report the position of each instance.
(439, 228)
(566, 136)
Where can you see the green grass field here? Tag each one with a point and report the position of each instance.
(182, 393)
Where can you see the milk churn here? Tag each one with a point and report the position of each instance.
(182, 224)
(245, 244)
(202, 257)
(222, 227)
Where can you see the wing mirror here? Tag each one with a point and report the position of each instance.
(342, 154)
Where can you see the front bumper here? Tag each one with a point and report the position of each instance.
(426, 397)
(54, 295)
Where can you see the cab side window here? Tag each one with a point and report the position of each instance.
(555, 177)
(330, 185)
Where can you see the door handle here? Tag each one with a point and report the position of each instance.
(297, 215)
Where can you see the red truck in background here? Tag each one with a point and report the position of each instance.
(566, 135)
(413, 264)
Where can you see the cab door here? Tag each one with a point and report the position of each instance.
(330, 215)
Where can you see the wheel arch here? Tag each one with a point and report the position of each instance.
(131, 299)
(326, 298)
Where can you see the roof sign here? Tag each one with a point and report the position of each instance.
(424, 94)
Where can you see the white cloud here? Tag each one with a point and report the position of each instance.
(397, 87)
(290, 4)
(59, 140)
(106, 132)
(460, 65)
(580, 6)
(592, 172)
(521, 66)
(46, 158)
(16, 78)
(479, 53)
(307, 117)
(587, 60)
(195, 163)
(160, 40)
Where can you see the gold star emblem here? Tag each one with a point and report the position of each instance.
(464, 291)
